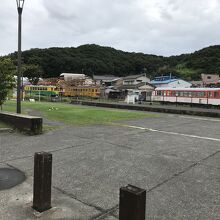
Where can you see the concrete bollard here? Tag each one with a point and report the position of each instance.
(42, 181)
(132, 203)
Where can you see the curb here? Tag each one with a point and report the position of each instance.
(151, 109)
(2, 130)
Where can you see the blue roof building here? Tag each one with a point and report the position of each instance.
(170, 81)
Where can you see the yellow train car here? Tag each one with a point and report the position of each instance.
(82, 91)
(47, 91)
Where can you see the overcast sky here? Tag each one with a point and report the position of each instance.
(162, 27)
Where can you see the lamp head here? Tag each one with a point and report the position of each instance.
(20, 5)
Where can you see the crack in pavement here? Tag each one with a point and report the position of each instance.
(183, 171)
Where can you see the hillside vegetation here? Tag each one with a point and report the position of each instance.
(94, 59)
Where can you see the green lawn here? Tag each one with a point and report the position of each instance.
(78, 115)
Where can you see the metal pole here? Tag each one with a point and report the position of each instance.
(39, 95)
(19, 62)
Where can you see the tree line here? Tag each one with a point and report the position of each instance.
(98, 60)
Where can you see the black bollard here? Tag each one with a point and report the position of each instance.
(132, 203)
(42, 181)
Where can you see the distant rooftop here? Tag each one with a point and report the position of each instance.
(133, 76)
(105, 77)
(164, 79)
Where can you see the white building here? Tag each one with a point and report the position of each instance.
(169, 81)
(72, 76)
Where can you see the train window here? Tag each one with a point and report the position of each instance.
(215, 94)
(193, 94)
(159, 93)
(186, 94)
(201, 94)
(92, 90)
(209, 94)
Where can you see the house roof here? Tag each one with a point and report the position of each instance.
(73, 75)
(125, 87)
(105, 77)
(133, 76)
(155, 82)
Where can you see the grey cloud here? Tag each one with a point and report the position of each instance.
(151, 26)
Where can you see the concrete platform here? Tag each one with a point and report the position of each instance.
(175, 158)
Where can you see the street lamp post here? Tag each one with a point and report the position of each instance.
(20, 5)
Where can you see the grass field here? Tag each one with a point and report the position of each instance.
(78, 115)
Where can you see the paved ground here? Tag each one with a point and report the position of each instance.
(176, 158)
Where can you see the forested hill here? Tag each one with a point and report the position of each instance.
(94, 59)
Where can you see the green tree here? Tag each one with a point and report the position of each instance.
(33, 73)
(7, 70)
